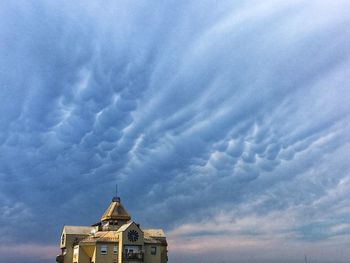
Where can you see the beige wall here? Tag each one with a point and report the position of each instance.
(70, 239)
(82, 256)
(93, 251)
(164, 254)
(109, 257)
(125, 239)
(158, 257)
(68, 244)
(68, 256)
(89, 249)
(120, 247)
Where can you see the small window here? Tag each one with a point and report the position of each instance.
(103, 249)
(153, 250)
(62, 239)
(115, 249)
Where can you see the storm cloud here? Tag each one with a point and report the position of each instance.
(225, 123)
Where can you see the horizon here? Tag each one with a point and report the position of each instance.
(227, 124)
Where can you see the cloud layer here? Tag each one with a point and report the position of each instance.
(220, 122)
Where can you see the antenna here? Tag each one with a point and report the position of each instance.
(116, 198)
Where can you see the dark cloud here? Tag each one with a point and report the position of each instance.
(233, 114)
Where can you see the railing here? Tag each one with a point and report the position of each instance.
(133, 256)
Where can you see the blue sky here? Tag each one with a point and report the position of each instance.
(224, 122)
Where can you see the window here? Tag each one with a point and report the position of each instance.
(115, 249)
(153, 250)
(103, 249)
(62, 239)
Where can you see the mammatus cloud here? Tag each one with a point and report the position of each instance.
(231, 120)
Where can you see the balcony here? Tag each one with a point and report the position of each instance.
(133, 256)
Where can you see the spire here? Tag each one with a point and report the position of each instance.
(116, 211)
(116, 198)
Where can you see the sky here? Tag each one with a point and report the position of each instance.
(226, 123)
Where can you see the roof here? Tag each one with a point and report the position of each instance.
(150, 240)
(153, 232)
(154, 236)
(101, 236)
(124, 227)
(115, 211)
(77, 230)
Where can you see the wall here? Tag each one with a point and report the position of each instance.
(68, 244)
(124, 241)
(149, 258)
(109, 257)
(82, 257)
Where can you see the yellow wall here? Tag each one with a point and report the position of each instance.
(120, 247)
(109, 257)
(89, 250)
(158, 257)
(93, 251)
(125, 239)
(164, 254)
(83, 257)
(68, 244)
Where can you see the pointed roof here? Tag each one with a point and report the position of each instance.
(115, 211)
(125, 227)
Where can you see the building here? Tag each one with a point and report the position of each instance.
(114, 239)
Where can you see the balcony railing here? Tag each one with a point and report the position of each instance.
(133, 256)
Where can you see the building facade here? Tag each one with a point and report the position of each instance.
(114, 239)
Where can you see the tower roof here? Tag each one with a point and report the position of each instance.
(115, 211)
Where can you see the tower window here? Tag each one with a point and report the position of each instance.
(153, 250)
(103, 249)
(115, 249)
